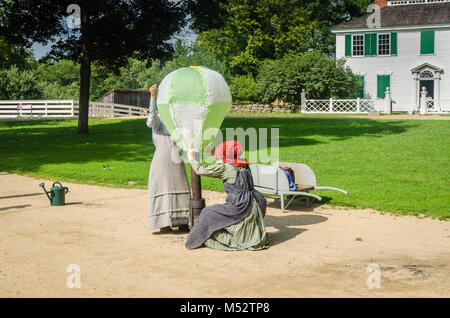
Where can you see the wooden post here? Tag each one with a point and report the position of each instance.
(197, 203)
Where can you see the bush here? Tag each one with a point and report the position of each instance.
(16, 84)
(321, 76)
(243, 89)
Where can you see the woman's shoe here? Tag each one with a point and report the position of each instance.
(183, 228)
(166, 229)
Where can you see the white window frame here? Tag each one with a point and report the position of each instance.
(378, 44)
(362, 51)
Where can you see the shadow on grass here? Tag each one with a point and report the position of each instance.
(26, 145)
(302, 131)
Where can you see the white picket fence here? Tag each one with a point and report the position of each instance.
(437, 106)
(65, 109)
(339, 106)
(356, 106)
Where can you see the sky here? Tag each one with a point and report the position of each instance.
(186, 35)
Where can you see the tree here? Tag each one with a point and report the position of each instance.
(16, 84)
(110, 31)
(246, 32)
(320, 75)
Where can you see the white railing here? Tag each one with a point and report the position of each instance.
(99, 109)
(65, 109)
(38, 108)
(428, 105)
(338, 106)
(437, 106)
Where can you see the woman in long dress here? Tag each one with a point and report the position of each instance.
(237, 224)
(168, 186)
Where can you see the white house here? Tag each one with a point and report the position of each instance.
(405, 45)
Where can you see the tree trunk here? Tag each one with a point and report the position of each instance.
(197, 203)
(85, 74)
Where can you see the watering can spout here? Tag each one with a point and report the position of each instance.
(46, 192)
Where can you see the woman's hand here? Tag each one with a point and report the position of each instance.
(191, 154)
(153, 91)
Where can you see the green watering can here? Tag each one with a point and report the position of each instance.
(57, 193)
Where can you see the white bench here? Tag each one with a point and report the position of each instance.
(271, 179)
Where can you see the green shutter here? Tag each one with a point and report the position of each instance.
(387, 83)
(394, 43)
(361, 86)
(380, 82)
(348, 45)
(383, 81)
(370, 44)
(373, 45)
(367, 44)
(427, 42)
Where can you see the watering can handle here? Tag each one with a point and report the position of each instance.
(57, 182)
(66, 189)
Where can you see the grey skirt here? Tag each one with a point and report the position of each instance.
(168, 186)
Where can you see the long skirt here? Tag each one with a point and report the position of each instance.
(248, 234)
(168, 186)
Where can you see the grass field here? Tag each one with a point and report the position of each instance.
(389, 165)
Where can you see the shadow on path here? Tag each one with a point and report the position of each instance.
(285, 225)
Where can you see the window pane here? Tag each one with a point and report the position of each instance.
(358, 45)
(384, 44)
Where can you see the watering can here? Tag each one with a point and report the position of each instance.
(57, 194)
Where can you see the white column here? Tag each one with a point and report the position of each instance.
(423, 101)
(388, 102)
(416, 90)
(358, 105)
(303, 100)
(437, 91)
(331, 105)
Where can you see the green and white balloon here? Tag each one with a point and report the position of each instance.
(192, 103)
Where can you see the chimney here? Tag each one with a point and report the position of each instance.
(381, 3)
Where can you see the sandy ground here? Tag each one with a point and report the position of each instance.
(314, 252)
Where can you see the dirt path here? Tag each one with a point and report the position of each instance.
(314, 252)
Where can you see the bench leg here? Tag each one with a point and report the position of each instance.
(282, 202)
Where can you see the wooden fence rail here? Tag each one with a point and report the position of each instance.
(65, 108)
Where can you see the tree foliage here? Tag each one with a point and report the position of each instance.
(321, 77)
(245, 32)
(18, 84)
(243, 89)
(110, 32)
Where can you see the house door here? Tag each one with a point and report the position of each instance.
(429, 85)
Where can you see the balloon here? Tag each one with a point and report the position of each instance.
(192, 103)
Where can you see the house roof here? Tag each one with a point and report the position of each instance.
(403, 15)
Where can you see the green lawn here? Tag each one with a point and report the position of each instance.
(388, 165)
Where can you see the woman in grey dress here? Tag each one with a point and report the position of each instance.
(168, 186)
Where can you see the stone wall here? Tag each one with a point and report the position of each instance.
(260, 108)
